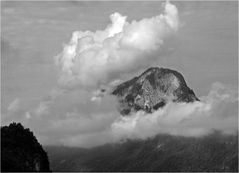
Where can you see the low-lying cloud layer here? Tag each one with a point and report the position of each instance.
(187, 119)
(72, 121)
(98, 58)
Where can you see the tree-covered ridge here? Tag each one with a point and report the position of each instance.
(20, 150)
(164, 153)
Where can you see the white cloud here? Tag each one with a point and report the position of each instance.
(187, 119)
(42, 108)
(14, 105)
(98, 58)
(27, 115)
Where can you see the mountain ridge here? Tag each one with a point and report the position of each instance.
(162, 153)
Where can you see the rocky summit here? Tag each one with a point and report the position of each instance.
(153, 89)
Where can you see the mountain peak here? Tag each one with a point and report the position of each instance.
(151, 90)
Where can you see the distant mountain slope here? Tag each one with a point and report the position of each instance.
(20, 150)
(215, 152)
(153, 89)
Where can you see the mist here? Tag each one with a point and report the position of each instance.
(69, 121)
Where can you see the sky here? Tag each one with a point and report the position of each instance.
(203, 47)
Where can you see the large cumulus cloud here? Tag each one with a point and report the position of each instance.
(98, 58)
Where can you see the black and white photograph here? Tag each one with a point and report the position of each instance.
(119, 86)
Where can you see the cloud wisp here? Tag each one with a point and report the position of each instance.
(14, 105)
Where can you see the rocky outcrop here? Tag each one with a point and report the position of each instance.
(153, 89)
(20, 151)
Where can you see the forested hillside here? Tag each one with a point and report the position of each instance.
(214, 152)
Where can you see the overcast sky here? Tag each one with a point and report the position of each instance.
(204, 49)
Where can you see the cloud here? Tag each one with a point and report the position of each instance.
(42, 108)
(98, 58)
(14, 105)
(186, 119)
(93, 61)
(74, 120)
(27, 115)
(14, 112)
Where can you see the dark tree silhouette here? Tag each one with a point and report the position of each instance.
(20, 150)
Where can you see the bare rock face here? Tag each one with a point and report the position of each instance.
(153, 89)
